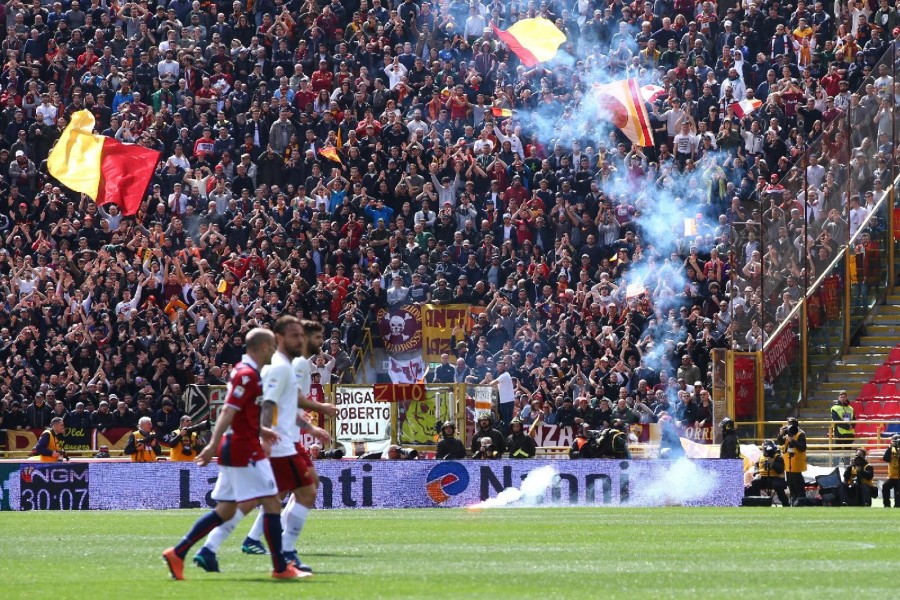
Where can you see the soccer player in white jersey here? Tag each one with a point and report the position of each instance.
(304, 497)
(291, 469)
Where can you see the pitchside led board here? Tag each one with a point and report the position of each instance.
(379, 484)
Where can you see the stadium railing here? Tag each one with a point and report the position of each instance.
(835, 302)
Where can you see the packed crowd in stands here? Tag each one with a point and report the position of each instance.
(458, 176)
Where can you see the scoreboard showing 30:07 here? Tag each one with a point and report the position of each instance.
(57, 486)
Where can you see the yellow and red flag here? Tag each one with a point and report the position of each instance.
(331, 154)
(501, 113)
(622, 102)
(105, 169)
(534, 40)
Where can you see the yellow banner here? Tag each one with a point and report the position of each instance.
(438, 322)
(416, 419)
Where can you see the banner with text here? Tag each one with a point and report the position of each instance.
(75, 439)
(380, 484)
(438, 323)
(406, 371)
(779, 353)
(360, 417)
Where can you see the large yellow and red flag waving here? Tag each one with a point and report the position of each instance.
(622, 102)
(534, 40)
(105, 169)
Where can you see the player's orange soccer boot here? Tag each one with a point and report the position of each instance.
(175, 562)
(291, 572)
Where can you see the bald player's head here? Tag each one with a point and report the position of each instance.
(260, 345)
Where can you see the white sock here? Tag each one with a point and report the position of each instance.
(295, 520)
(286, 511)
(256, 532)
(220, 534)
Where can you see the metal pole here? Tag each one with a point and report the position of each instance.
(760, 395)
(847, 258)
(892, 270)
(804, 353)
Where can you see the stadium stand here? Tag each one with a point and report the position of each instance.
(313, 150)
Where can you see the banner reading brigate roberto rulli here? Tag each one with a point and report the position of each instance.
(359, 417)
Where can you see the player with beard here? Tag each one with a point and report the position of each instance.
(303, 499)
(291, 468)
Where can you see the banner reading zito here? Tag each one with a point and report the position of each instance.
(438, 322)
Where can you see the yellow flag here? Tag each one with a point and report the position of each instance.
(76, 157)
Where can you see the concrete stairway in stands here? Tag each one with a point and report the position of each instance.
(856, 366)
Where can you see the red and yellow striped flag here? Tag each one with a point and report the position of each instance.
(501, 112)
(534, 40)
(623, 103)
(105, 169)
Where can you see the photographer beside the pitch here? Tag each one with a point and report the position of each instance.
(50, 445)
(792, 440)
(143, 445)
(581, 445)
(186, 441)
(892, 458)
(859, 481)
(769, 473)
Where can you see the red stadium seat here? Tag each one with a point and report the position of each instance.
(860, 407)
(864, 430)
(888, 392)
(872, 411)
(883, 374)
(868, 392)
(894, 357)
(891, 410)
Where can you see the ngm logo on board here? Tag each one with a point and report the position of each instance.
(446, 480)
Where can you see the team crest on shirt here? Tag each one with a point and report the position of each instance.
(238, 392)
(245, 379)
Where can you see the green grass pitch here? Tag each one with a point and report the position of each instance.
(541, 553)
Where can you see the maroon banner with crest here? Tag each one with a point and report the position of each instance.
(401, 329)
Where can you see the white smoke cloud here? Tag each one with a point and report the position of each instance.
(684, 483)
(532, 492)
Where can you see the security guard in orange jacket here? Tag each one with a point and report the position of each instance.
(892, 458)
(50, 445)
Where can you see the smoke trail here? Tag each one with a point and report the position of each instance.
(683, 484)
(532, 492)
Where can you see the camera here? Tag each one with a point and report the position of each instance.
(769, 450)
(335, 454)
(148, 440)
(201, 426)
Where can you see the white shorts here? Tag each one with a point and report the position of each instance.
(237, 484)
